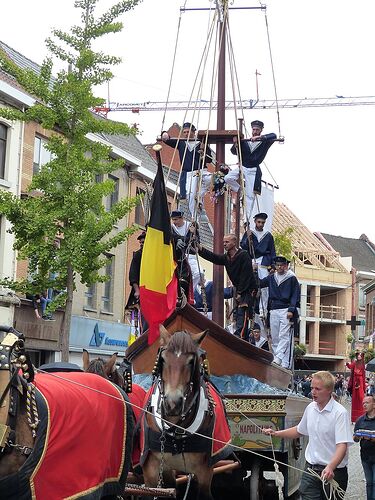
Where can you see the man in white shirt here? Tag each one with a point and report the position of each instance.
(327, 424)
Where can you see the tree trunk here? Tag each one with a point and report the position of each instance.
(67, 319)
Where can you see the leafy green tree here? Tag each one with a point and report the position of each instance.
(283, 243)
(66, 205)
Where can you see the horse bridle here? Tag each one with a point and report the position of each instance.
(157, 373)
(13, 358)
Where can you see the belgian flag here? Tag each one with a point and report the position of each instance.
(158, 282)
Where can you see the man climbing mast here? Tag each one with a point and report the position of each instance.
(193, 165)
(251, 153)
(239, 268)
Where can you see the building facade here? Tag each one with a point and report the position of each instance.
(358, 256)
(326, 295)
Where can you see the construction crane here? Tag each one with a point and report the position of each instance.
(205, 105)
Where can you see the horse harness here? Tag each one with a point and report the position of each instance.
(13, 358)
(196, 415)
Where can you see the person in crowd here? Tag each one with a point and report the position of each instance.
(306, 386)
(347, 391)
(238, 265)
(339, 380)
(357, 383)
(193, 166)
(326, 423)
(40, 300)
(364, 432)
(183, 234)
(251, 152)
(261, 248)
(370, 389)
(257, 340)
(133, 303)
(134, 273)
(284, 301)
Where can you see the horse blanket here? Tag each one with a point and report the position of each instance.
(83, 443)
(217, 448)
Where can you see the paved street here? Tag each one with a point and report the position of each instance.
(357, 486)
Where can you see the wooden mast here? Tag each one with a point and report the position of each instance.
(218, 274)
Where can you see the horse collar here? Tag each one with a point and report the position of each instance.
(203, 408)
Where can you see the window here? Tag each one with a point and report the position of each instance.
(139, 209)
(41, 155)
(91, 296)
(113, 197)
(362, 297)
(108, 285)
(3, 147)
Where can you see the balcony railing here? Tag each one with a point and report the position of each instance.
(336, 313)
(325, 347)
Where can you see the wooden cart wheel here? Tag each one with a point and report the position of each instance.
(256, 479)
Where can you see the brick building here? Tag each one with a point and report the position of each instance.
(358, 256)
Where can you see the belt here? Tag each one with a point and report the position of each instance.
(319, 467)
(316, 467)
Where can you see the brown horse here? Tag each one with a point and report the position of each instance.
(182, 397)
(106, 369)
(40, 421)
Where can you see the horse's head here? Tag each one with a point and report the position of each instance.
(180, 370)
(106, 369)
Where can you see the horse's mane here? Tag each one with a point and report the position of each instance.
(97, 366)
(182, 342)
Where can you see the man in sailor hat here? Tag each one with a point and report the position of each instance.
(193, 165)
(284, 301)
(251, 153)
(261, 248)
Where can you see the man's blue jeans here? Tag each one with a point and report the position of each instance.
(369, 470)
(43, 304)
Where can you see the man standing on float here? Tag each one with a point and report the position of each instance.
(261, 247)
(253, 152)
(284, 302)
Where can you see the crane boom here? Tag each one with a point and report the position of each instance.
(204, 105)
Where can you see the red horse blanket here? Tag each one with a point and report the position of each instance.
(82, 448)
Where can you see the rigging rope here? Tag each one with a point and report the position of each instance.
(173, 64)
(273, 72)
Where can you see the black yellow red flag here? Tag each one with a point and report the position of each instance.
(158, 282)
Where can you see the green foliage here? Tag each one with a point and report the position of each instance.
(352, 355)
(283, 243)
(369, 354)
(299, 351)
(66, 202)
(349, 338)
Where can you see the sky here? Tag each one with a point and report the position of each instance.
(319, 49)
